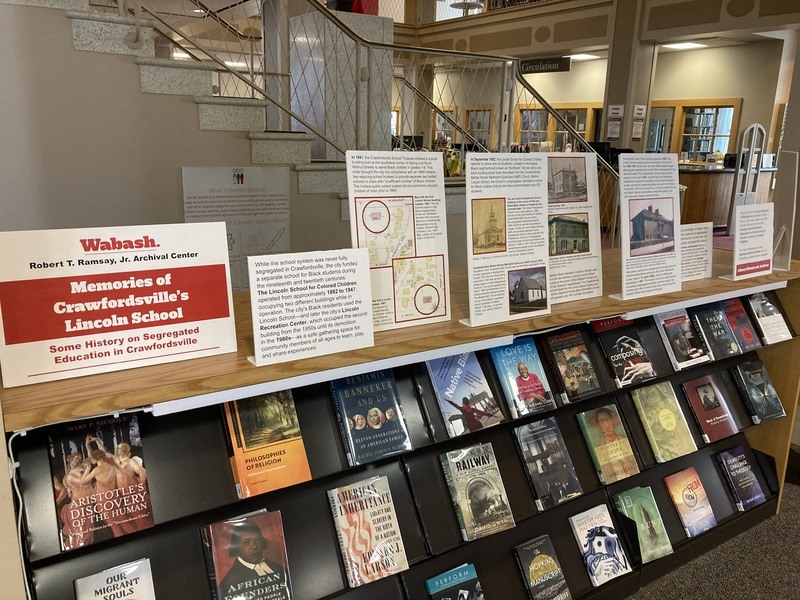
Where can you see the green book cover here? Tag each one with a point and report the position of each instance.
(640, 505)
(664, 421)
(608, 443)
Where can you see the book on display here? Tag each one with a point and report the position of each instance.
(544, 578)
(522, 377)
(740, 477)
(768, 318)
(133, 580)
(691, 501)
(684, 345)
(663, 421)
(741, 325)
(456, 584)
(624, 350)
(757, 391)
(569, 356)
(600, 546)
(712, 323)
(639, 504)
(608, 443)
(710, 408)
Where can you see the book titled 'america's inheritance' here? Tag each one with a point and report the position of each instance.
(741, 479)
(266, 446)
(608, 443)
(368, 530)
(663, 421)
(455, 584)
(547, 462)
(757, 391)
(522, 377)
(246, 557)
(370, 416)
(691, 501)
(463, 393)
(541, 570)
(639, 504)
(101, 489)
(477, 491)
(600, 545)
(131, 581)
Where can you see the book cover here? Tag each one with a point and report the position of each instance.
(370, 416)
(640, 505)
(267, 450)
(741, 325)
(608, 443)
(477, 491)
(460, 583)
(712, 323)
(624, 350)
(684, 345)
(690, 500)
(246, 557)
(133, 580)
(368, 531)
(757, 391)
(568, 353)
(738, 474)
(522, 377)
(599, 544)
(100, 480)
(541, 570)
(547, 463)
(768, 318)
(710, 408)
(663, 421)
(463, 394)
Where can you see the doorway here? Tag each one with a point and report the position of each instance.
(659, 130)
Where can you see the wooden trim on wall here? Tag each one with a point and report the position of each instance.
(680, 107)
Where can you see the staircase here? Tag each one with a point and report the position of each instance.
(110, 33)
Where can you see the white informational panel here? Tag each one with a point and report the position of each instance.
(252, 201)
(81, 301)
(697, 245)
(507, 237)
(573, 215)
(649, 219)
(397, 212)
(752, 245)
(309, 304)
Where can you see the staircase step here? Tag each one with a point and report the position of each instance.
(77, 5)
(111, 34)
(322, 178)
(231, 114)
(178, 77)
(281, 148)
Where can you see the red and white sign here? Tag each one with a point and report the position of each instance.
(81, 301)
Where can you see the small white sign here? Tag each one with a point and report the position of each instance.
(639, 111)
(309, 304)
(616, 110)
(752, 245)
(696, 251)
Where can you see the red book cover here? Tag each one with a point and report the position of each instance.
(710, 408)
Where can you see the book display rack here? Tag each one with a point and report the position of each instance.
(191, 483)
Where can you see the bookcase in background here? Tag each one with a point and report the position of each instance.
(192, 445)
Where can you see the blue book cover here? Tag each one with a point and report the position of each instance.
(461, 583)
(463, 394)
(741, 479)
(370, 416)
(522, 377)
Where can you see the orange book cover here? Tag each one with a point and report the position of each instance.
(267, 450)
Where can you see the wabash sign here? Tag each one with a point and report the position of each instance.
(76, 302)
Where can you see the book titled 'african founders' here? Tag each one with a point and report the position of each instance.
(99, 480)
(246, 557)
(477, 491)
(370, 416)
(131, 581)
(266, 446)
(368, 530)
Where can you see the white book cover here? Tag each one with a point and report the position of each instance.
(573, 224)
(397, 212)
(507, 258)
(599, 545)
(132, 580)
(650, 224)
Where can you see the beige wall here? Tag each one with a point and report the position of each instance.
(82, 146)
(584, 82)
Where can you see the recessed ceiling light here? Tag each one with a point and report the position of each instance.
(582, 56)
(685, 46)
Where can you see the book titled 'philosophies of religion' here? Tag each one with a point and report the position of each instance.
(368, 530)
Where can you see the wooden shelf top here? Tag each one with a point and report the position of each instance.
(210, 380)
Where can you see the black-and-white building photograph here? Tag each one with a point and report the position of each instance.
(566, 179)
(652, 226)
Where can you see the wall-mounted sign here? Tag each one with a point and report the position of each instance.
(554, 64)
